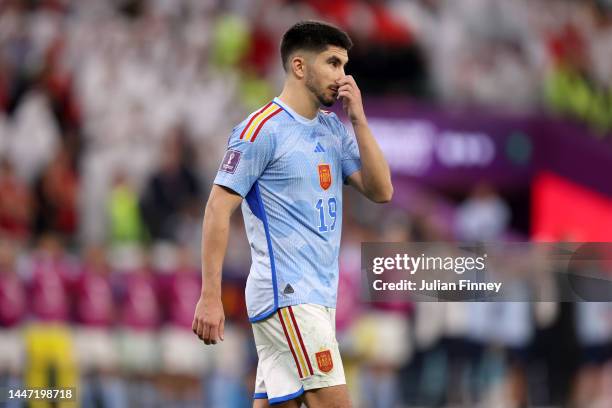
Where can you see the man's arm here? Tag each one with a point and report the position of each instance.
(374, 178)
(209, 318)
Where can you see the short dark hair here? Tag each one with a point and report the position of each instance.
(312, 36)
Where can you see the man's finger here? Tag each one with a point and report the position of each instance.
(214, 333)
(206, 334)
(201, 328)
(198, 329)
(344, 94)
(351, 80)
(222, 329)
(347, 79)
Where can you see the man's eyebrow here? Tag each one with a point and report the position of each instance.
(333, 58)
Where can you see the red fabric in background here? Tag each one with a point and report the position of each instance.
(180, 293)
(336, 11)
(261, 52)
(48, 296)
(140, 308)
(13, 306)
(93, 297)
(565, 211)
(387, 30)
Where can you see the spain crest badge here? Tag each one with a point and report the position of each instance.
(325, 177)
(324, 361)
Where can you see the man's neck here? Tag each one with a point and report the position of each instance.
(300, 100)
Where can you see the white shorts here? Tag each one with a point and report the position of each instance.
(297, 352)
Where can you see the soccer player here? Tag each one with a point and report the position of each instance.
(286, 164)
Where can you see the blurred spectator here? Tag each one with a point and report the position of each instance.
(13, 310)
(51, 273)
(140, 310)
(58, 83)
(188, 228)
(383, 340)
(32, 137)
(594, 330)
(93, 296)
(383, 346)
(51, 361)
(483, 216)
(56, 198)
(184, 359)
(13, 306)
(183, 289)
(171, 189)
(600, 41)
(125, 222)
(571, 86)
(94, 343)
(15, 203)
(230, 39)
(140, 318)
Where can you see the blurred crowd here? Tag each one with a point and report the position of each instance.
(113, 119)
(115, 322)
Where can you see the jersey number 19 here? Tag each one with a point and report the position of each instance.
(331, 211)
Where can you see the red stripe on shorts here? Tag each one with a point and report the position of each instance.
(297, 329)
(297, 364)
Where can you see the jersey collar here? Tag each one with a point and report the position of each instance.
(295, 115)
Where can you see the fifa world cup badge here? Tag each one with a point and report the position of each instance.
(324, 361)
(325, 178)
(230, 161)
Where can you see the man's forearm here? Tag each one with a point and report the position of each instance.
(215, 233)
(374, 167)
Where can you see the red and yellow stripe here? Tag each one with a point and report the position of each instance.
(295, 341)
(251, 130)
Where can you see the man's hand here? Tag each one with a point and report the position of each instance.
(374, 178)
(209, 319)
(351, 99)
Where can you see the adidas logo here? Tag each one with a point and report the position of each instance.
(319, 148)
(288, 290)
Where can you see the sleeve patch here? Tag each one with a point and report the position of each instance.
(230, 161)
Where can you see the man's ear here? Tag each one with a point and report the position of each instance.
(298, 66)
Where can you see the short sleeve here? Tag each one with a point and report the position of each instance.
(351, 161)
(245, 160)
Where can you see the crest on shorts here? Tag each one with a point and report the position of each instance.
(324, 361)
(325, 178)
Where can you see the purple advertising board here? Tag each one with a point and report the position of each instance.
(452, 149)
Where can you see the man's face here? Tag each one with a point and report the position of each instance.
(323, 70)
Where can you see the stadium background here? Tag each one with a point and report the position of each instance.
(495, 116)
